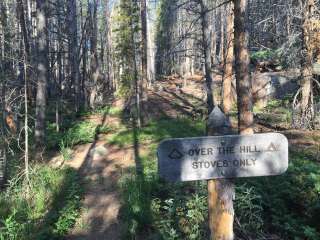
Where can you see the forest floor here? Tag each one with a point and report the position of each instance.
(103, 162)
(100, 164)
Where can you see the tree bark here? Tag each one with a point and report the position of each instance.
(150, 48)
(222, 34)
(73, 51)
(306, 68)
(206, 43)
(42, 72)
(242, 61)
(144, 47)
(22, 21)
(228, 99)
(94, 66)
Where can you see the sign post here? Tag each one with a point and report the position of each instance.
(221, 192)
(219, 159)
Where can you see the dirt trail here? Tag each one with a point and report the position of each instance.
(100, 165)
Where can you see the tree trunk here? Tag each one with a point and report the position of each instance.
(107, 48)
(42, 72)
(84, 57)
(22, 21)
(150, 49)
(220, 191)
(206, 43)
(6, 62)
(73, 51)
(94, 66)
(228, 99)
(222, 22)
(144, 47)
(306, 69)
(242, 60)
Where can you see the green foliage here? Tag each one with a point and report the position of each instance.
(291, 202)
(77, 133)
(277, 112)
(115, 111)
(136, 212)
(44, 209)
(263, 206)
(182, 217)
(248, 211)
(65, 151)
(160, 129)
(12, 229)
(266, 55)
(81, 132)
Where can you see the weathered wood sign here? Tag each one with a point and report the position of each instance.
(230, 156)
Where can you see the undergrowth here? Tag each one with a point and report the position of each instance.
(268, 206)
(46, 208)
(77, 132)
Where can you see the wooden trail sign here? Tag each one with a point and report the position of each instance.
(230, 156)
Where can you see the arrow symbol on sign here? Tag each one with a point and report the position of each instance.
(175, 154)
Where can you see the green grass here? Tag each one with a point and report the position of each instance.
(277, 112)
(158, 130)
(48, 211)
(287, 205)
(76, 133)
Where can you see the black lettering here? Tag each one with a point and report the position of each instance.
(242, 149)
(191, 152)
(248, 163)
(206, 164)
(200, 164)
(214, 163)
(220, 150)
(242, 162)
(210, 151)
(225, 163)
(203, 151)
(220, 163)
(197, 151)
(195, 165)
(254, 161)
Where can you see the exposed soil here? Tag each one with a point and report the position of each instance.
(100, 165)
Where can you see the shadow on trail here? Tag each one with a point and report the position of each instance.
(102, 198)
(136, 149)
(142, 186)
(67, 198)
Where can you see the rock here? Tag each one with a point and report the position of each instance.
(98, 152)
(271, 85)
(316, 68)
